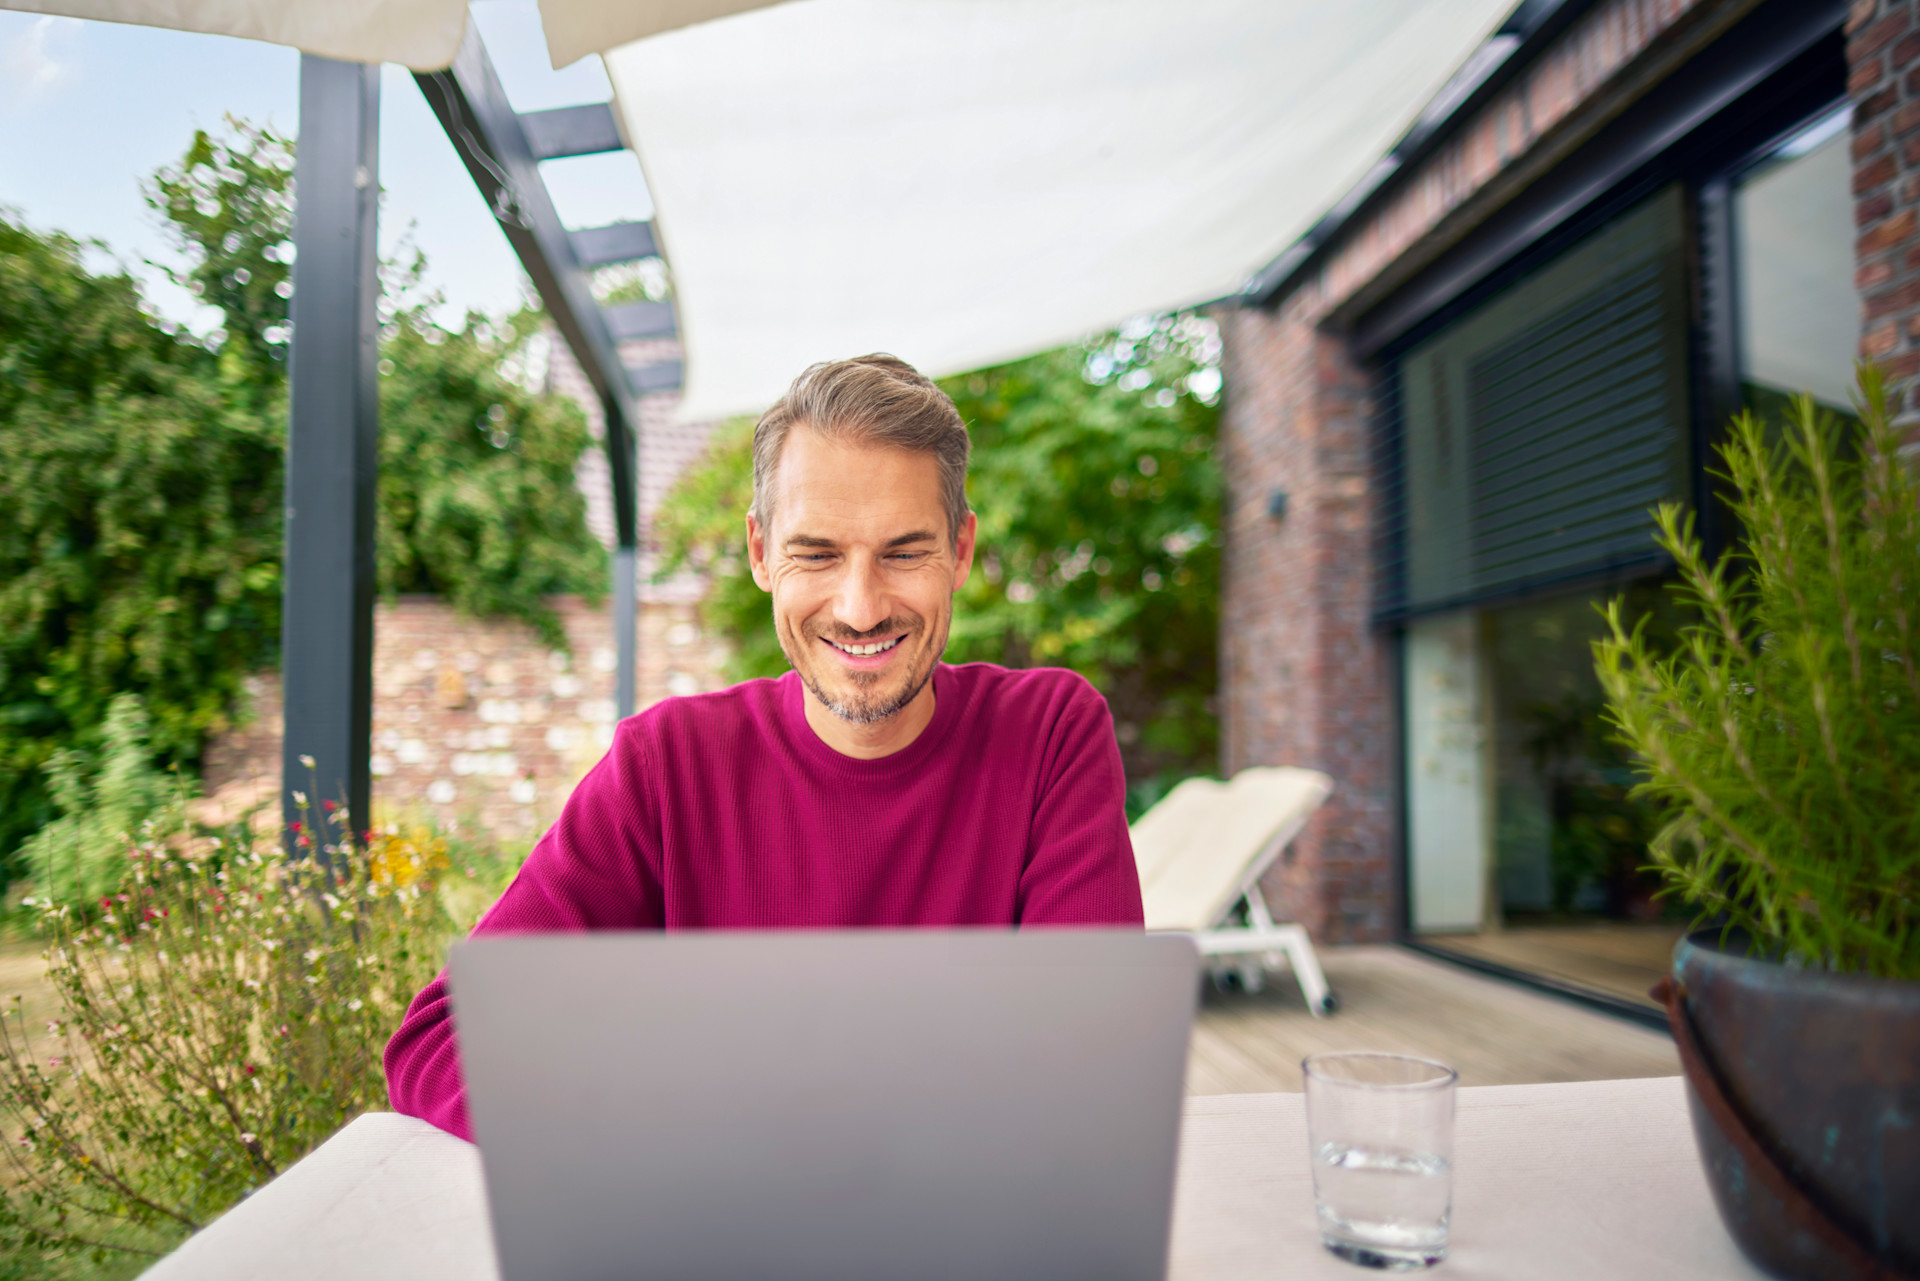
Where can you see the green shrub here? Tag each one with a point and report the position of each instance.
(223, 1012)
(139, 524)
(82, 854)
(1782, 735)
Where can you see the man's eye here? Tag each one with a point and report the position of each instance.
(814, 558)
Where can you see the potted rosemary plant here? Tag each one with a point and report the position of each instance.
(1782, 736)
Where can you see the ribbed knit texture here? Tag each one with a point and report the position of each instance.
(725, 811)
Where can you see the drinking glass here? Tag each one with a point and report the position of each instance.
(1380, 1131)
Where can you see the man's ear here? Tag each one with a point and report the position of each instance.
(963, 551)
(757, 553)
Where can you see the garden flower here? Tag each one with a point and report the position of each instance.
(142, 974)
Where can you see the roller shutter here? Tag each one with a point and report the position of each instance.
(1537, 430)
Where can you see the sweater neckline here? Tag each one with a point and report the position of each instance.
(949, 695)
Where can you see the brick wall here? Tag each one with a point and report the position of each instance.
(1883, 58)
(1306, 680)
(478, 723)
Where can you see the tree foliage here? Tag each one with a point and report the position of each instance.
(228, 207)
(1098, 494)
(476, 499)
(477, 494)
(140, 472)
(1782, 734)
(141, 543)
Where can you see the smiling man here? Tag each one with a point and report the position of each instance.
(871, 787)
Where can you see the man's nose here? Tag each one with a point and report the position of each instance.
(862, 603)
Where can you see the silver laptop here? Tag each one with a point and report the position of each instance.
(972, 1104)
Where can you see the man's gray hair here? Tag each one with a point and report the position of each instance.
(869, 400)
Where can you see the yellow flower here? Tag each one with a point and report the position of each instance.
(401, 860)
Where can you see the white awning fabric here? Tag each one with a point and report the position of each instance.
(963, 182)
(421, 34)
(576, 28)
(959, 182)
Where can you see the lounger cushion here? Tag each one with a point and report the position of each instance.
(1201, 846)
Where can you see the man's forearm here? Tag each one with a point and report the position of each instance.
(423, 1064)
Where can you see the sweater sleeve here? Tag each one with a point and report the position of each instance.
(1080, 868)
(597, 868)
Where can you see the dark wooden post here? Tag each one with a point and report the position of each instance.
(326, 632)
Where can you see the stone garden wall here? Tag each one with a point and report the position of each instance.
(478, 723)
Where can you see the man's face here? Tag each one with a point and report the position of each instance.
(861, 570)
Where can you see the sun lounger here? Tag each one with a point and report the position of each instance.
(1202, 851)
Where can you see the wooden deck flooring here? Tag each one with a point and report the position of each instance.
(1614, 957)
(1495, 1033)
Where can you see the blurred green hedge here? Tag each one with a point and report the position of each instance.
(140, 472)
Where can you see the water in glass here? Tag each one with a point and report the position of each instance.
(1382, 1208)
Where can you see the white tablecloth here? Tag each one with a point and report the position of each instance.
(1595, 1180)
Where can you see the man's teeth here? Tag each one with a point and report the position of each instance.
(865, 651)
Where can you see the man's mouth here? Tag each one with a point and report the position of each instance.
(867, 650)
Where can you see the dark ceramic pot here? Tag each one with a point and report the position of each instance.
(1823, 1073)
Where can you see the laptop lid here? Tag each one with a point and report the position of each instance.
(827, 1105)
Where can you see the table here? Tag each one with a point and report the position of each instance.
(1596, 1179)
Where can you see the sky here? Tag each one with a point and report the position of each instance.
(88, 110)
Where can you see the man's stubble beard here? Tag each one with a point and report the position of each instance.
(866, 708)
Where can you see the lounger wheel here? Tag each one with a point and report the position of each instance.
(1330, 1002)
(1237, 978)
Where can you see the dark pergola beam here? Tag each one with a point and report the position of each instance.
(493, 143)
(641, 320)
(572, 131)
(472, 107)
(326, 628)
(664, 375)
(617, 242)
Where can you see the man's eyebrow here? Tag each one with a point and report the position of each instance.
(809, 540)
(917, 536)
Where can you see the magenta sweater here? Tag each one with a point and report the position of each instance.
(725, 811)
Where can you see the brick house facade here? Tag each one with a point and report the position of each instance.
(1883, 58)
(1310, 671)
